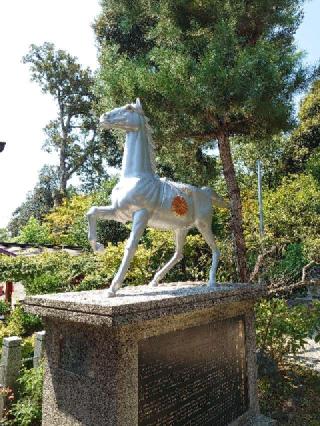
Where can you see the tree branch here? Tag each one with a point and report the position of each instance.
(260, 261)
(305, 269)
(302, 283)
(84, 156)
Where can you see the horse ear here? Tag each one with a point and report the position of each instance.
(138, 103)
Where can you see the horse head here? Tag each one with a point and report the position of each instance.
(126, 118)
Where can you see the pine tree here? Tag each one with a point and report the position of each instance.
(205, 70)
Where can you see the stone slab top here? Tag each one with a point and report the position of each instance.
(132, 304)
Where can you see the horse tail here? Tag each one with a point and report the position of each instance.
(217, 200)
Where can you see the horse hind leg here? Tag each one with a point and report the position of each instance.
(180, 238)
(205, 229)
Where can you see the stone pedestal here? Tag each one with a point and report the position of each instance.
(178, 354)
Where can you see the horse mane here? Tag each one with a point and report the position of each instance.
(151, 147)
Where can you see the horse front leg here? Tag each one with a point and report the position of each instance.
(139, 224)
(106, 213)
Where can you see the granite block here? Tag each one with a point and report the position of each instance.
(96, 347)
(134, 304)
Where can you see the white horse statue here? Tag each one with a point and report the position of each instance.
(145, 199)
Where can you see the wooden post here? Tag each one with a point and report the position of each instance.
(39, 341)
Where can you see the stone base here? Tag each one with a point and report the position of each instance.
(175, 354)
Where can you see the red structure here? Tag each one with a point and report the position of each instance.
(9, 291)
(9, 284)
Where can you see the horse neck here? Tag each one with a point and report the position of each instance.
(136, 160)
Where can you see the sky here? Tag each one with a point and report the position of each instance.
(24, 110)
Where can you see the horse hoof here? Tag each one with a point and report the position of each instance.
(212, 286)
(99, 248)
(111, 293)
(153, 284)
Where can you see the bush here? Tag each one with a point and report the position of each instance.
(19, 323)
(68, 223)
(283, 330)
(287, 267)
(4, 308)
(292, 211)
(292, 224)
(35, 232)
(59, 271)
(27, 410)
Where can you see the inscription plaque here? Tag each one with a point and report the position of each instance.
(195, 376)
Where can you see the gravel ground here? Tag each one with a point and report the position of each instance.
(18, 292)
(310, 356)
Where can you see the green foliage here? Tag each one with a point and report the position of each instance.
(283, 329)
(59, 271)
(303, 146)
(288, 266)
(4, 307)
(68, 223)
(34, 232)
(19, 323)
(292, 211)
(27, 346)
(270, 151)
(312, 248)
(74, 134)
(202, 65)
(4, 235)
(38, 202)
(292, 226)
(27, 410)
(14, 325)
(313, 165)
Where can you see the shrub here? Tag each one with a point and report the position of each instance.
(283, 330)
(59, 271)
(4, 308)
(292, 211)
(68, 223)
(35, 232)
(28, 408)
(19, 323)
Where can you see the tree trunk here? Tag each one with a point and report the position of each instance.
(63, 176)
(235, 202)
(63, 179)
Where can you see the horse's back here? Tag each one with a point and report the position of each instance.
(176, 207)
(171, 204)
